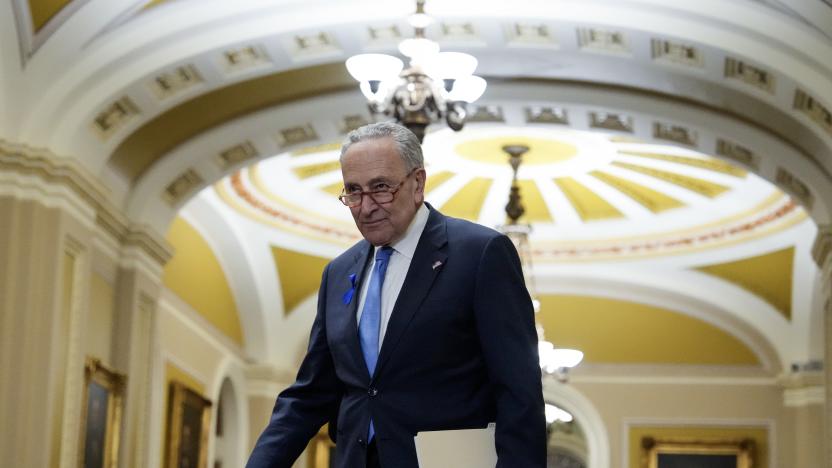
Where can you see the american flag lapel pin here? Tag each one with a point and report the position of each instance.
(437, 264)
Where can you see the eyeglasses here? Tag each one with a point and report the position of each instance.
(382, 193)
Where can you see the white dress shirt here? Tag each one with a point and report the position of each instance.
(403, 251)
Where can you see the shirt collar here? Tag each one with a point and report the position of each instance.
(407, 244)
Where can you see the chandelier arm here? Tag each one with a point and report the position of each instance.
(418, 99)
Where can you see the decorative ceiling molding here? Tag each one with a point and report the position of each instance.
(822, 247)
(171, 83)
(717, 134)
(68, 173)
(114, 117)
(676, 53)
(156, 138)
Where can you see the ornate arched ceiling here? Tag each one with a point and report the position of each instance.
(590, 195)
(636, 108)
(605, 207)
(117, 65)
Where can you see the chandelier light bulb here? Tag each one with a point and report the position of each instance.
(433, 87)
(418, 49)
(420, 20)
(375, 91)
(565, 358)
(554, 360)
(553, 413)
(467, 89)
(451, 65)
(374, 67)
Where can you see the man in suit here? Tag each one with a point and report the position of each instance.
(424, 325)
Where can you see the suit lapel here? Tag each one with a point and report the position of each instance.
(420, 277)
(358, 268)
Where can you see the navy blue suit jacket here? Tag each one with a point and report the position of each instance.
(460, 351)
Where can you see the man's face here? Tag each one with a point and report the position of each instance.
(372, 164)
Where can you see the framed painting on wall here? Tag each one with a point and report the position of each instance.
(189, 418)
(100, 416)
(691, 453)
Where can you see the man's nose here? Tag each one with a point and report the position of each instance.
(367, 202)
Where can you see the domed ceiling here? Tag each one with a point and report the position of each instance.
(228, 115)
(588, 195)
(626, 236)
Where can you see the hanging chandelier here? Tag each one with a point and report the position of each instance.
(434, 86)
(553, 361)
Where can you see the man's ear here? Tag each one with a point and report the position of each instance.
(420, 175)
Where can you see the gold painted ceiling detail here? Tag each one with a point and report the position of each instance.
(711, 164)
(653, 200)
(536, 209)
(782, 215)
(44, 10)
(195, 275)
(312, 170)
(623, 332)
(435, 180)
(334, 188)
(589, 205)
(541, 151)
(300, 276)
(314, 149)
(236, 194)
(768, 276)
(467, 203)
(156, 137)
(694, 184)
(154, 3)
(297, 191)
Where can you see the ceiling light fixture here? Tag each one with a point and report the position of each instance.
(553, 361)
(554, 413)
(434, 86)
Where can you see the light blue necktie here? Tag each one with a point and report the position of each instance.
(369, 325)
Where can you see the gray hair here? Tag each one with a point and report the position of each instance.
(407, 144)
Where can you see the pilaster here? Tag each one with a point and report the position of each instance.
(54, 216)
(44, 259)
(822, 254)
(137, 294)
(264, 383)
(803, 399)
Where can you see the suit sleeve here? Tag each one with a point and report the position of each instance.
(306, 405)
(505, 323)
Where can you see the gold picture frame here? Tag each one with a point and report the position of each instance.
(100, 416)
(742, 450)
(189, 420)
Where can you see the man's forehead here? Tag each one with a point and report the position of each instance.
(366, 162)
(381, 147)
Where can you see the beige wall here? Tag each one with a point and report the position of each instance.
(206, 355)
(622, 406)
(100, 320)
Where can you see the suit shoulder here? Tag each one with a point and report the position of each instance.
(469, 231)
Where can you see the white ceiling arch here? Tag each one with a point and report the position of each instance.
(739, 313)
(102, 54)
(147, 203)
(91, 61)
